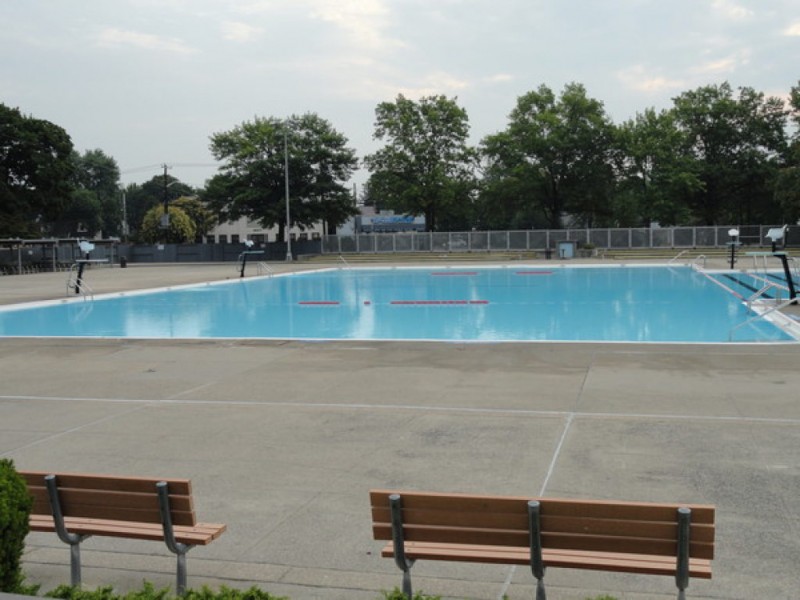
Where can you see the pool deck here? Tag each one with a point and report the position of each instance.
(283, 440)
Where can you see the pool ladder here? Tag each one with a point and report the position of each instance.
(76, 286)
(262, 268)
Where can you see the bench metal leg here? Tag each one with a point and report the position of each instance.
(398, 542)
(409, 593)
(75, 564)
(180, 579)
(682, 566)
(169, 537)
(537, 564)
(73, 539)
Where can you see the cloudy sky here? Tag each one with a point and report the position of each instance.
(149, 81)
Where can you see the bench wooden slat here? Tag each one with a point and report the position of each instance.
(115, 499)
(566, 541)
(605, 561)
(598, 509)
(519, 521)
(94, 481)
(120, 506)
(200, 534)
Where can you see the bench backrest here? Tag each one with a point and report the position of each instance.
(110, 497)
(628, 527)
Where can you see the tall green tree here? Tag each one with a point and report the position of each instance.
(554, 157)
(98, 173)
(95, 205)
(656, 171)
(81, 217)
(737, 141)
(426, 166)
(36, 173)
(252, 179)
(787, 181)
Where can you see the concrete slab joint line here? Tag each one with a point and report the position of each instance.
(550, 470)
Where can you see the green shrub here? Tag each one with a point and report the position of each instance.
(148, 592)
(15, 510)
(226, 593)
(397, 594)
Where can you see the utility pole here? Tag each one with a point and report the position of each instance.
(165, 216)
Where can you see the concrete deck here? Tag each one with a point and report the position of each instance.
(283, 440)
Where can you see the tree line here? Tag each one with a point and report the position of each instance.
(718, 155)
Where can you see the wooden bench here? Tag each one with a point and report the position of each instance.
(630, 537)
(79, 505)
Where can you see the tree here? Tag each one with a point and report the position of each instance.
(426, 166)
(656, 170)
(94, 205)
(557, 152)
(252, 180)
(35, 173)
(202, 218)
(180, 230)
(737, 142)
(787, 181)
(81, 218)
(98, 173)
(140, 198)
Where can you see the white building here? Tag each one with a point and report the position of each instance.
(244, 229)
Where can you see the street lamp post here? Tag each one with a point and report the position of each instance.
(288, 216)
(734, 234)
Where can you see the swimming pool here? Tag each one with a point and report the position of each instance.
(520, 303)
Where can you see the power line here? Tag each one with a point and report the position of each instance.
(138, 169)
(161, 166)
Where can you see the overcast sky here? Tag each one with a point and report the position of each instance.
(148, 81)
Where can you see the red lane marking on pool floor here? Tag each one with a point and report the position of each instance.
(444, 273)
(318, 303)
(438, 302)
(534, 272)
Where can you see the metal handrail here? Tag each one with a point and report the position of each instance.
(346, 264)
(262, 267)
(756, 317)
(676, 257)
(768, 285)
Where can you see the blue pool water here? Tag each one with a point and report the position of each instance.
(642, 304)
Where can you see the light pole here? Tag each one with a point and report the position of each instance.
(288, 216)
(733, 233)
